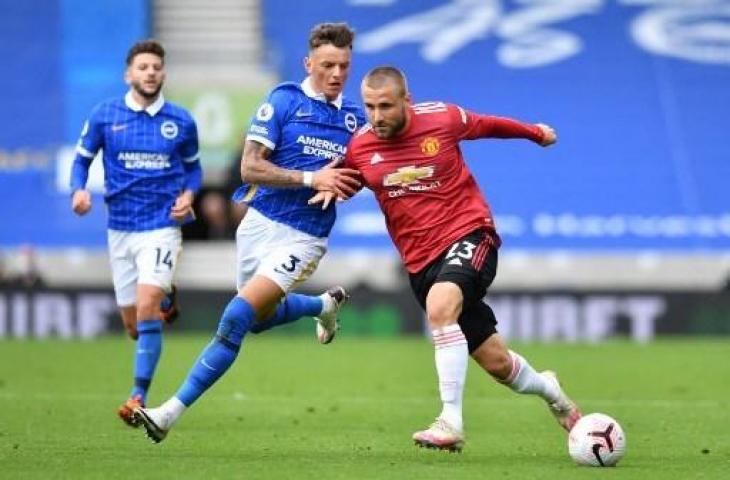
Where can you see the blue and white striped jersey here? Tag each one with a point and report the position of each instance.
(305, 133)
(150, 156)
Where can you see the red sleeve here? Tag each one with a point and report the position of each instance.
(470, 126)
(348, 161)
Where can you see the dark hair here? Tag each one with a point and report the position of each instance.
(338, 34)
(379, 76)
(146, 46)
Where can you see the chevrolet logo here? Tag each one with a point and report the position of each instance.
(407, 175)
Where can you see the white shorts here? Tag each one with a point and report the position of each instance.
(279, 252)
(148, 257)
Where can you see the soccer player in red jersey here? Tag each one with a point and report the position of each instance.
(436, 215)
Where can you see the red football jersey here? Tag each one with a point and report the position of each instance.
(428, 195)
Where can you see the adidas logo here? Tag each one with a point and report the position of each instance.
(375, 159)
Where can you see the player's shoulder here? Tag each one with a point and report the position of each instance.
(282, 98)
(362, 132)
(362, 136)
(439, 112)
(431, 108)
(105, 107)
(287, 90)
(351, 106)
(178, 111)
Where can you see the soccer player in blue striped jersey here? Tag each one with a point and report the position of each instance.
(297, 135)
(151, 173)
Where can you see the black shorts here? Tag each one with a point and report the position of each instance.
(471, 263)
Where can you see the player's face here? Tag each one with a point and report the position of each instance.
(386, 108)
(328, 66)
(146, 74)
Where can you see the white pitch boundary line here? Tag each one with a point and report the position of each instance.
(239, 396)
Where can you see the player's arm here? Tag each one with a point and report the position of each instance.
(183, 206)
(503, 127)
(89, 143)
(257, 168)
(472, 126)
(326, 197)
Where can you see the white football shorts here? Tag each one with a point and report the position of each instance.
(276, 251)
(148, 257)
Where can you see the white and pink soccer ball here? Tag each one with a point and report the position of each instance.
(597, 440)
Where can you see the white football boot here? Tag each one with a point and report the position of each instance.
(155, 421)
(440, 435)
(327, 323)
(565, 411)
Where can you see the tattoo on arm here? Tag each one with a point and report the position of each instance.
(256, 168)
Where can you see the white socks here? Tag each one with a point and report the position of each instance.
(452, 358)
(524, 379)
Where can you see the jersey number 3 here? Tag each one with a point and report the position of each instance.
(291, 266)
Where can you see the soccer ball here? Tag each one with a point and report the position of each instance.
(597, 440)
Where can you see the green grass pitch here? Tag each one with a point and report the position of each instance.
(290, 408)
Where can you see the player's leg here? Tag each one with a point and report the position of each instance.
(169, 307)
(458, 283)
(262, 285)
(489, 350)
(126, 410)
(129, 320)
(513, 370)
(260, 294)
(443, 302)
(124, 276)
(289, 257)
(154, 254)
(149, 340)
(443, 307)
(323, 308)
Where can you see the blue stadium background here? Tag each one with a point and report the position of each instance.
(639, 92)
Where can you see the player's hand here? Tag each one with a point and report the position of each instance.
(81, 202)
(183, 206)
(548, 134)
(343, 182)
(325, 198)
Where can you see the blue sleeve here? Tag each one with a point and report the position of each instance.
(190, 157)
(193, 176)
(266, 125)
(90, 141)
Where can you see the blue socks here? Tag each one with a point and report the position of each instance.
(149, 347)
(220, 353)
(239, 318)
(294, 307)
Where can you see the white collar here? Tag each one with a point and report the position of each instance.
(309, 91)
(152, 109)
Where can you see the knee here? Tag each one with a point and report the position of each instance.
(443, 304)
(148, 308)
(237, 319)
(441, 314)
